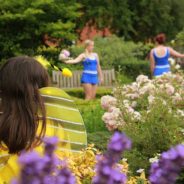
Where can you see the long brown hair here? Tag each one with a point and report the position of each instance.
(20, 80)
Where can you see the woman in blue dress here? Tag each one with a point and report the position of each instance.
(92, 73)
(159, 56)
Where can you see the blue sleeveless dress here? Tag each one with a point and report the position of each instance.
(90, 73)
(161, 63)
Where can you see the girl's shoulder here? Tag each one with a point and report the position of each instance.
(95, 54)
(82, 55)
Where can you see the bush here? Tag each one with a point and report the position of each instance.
(51, 53)
(159, 132)
(151, 112)
(99, 139)
(133, 67)
(180, 39)
(92, 113)
(35, 21)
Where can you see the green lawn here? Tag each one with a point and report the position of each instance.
(92, 112)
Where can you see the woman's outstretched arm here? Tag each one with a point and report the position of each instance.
(76, 60)
(175, 53)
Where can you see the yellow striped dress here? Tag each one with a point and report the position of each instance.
(63, 120)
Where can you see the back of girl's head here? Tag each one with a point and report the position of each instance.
(160, 38)
(20, 80)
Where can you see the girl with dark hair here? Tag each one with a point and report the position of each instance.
(29, 111)
(159, 56)
(20, 103)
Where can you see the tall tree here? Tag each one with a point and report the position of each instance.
(135, 19)
(24, 22)
(114, 14)
(151, 17)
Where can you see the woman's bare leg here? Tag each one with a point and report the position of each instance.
(87, 91)
(94, 89)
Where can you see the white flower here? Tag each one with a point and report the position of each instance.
(177, 67)
(124, 159)
(170, 110)
(112, 120)
(108, 101)
(164, 102)
(140, 170)
(182, 131)
(180, 112)
(134, 104)
(148, 111)
(125, 102)
(172, 41)
(176, 98)
(144, 90)
(172, 61)
(154, 159)
(116, 111)
(142, 79)
(132, 96)
(151, 99)
(130, 110)
(169, 89)
(137, 116)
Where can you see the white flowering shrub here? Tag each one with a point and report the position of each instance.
(151, 112)
(175, 67)
(133, 102)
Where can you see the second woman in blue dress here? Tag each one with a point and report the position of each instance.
(92, 73)
(159, 56)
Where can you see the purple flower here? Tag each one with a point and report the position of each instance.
(106, 173)
(65, 176)
(166, 170)
(50, 144)
(118, 143)
(44, 169)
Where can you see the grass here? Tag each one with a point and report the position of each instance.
(78, 93)
(99, 139)
(92, 112)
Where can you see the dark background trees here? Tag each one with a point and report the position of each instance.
(24, 24)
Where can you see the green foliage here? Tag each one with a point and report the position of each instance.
(115, 15)
(51, 53)
(92, 114)
(156, 134)
(23, 24)
(180, 39)
(132, 68)
(138, 20)
(99, 139)
(113, 50)
(121, 78)
(91, 111)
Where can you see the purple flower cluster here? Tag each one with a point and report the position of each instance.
(107, 173)
(45, 169)
(166, 170)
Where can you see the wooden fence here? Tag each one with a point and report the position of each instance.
(73, 82)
